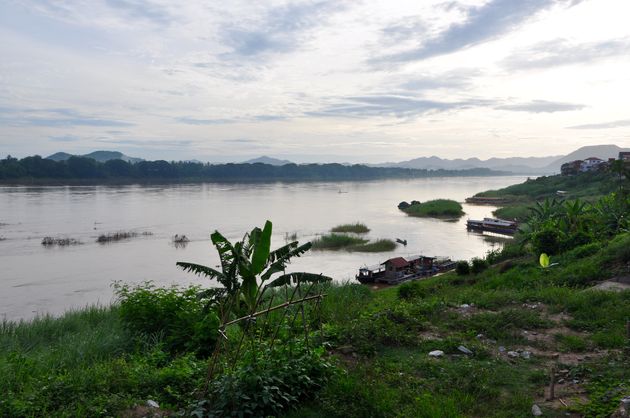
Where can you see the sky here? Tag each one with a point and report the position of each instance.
(313, 81)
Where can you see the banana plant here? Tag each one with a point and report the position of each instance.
(248, 266)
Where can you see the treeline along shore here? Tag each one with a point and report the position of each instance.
(81, 170)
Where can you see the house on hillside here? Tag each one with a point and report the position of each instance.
(591, 164)
(571, 168)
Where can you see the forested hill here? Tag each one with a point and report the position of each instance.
(78, 169)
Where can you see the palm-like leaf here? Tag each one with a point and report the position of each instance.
(283, 259)
(298, 278)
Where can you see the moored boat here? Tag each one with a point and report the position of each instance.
(501, 226)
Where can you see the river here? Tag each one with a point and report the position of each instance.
(35, 280)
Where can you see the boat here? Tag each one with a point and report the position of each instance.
(370, 274)
(398, 269)
(500, 226)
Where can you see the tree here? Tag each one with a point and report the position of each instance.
(247, 268)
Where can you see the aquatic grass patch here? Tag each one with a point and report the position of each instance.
(120, 236)
(357, 228)
(336, 242)
(438, 208)
(61, 242)
(378, 246)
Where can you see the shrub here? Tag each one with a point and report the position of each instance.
(546, 241)
(175, 314)
(462, 268)
(268, 382)
(478, 265)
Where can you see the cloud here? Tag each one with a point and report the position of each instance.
(559, 52)
(483, 23)
(56, 118)
(389, 105)
(455, 79)
(142, 10)
(65, 138)
(194, 121)
(605, 125)
(541, 106)
(280, 29)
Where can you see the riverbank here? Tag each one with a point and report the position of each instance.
(500, 332)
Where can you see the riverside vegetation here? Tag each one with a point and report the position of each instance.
(339, 239)
(503, 325)
(438, 208)
(80, 170)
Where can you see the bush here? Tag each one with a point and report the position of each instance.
(462, 268)
(177, 315)
(546, 241)
(478, 265)
(268, 382)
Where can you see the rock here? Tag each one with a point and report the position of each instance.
(513, 354)
(152, 404)
(480, 336)
(536, 411)
(561, 381)
(464, 350)
(501, 349)
(464, 306)
(624, 409)
(436, 353)
(526, 354)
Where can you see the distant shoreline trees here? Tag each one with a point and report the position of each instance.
(36, 169)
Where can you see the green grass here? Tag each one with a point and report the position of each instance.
(439, 208)
(336, 242)
(519, 212)
(357, 228)
(378, 246)
(85, 364)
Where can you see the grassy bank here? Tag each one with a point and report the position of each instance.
(439, 208)
(89, 363)
(357, 228)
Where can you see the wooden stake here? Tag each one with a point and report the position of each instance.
(552, 384)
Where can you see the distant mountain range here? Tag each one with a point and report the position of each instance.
(267, 160)
(516, 165)
(100, 156)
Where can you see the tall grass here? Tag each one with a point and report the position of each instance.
(357, 228)
(336, 242)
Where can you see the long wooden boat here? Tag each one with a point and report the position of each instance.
(397, 270)
(500, 226)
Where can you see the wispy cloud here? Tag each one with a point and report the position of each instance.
(604, 125)
(482, 24)
(195, 121)
(560, 52)
(65, 138)
(541, 106)
(281, 29)
(389, 105)
(57, 118)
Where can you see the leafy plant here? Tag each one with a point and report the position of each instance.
(247, 268)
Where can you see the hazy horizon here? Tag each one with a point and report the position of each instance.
(314, 81)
